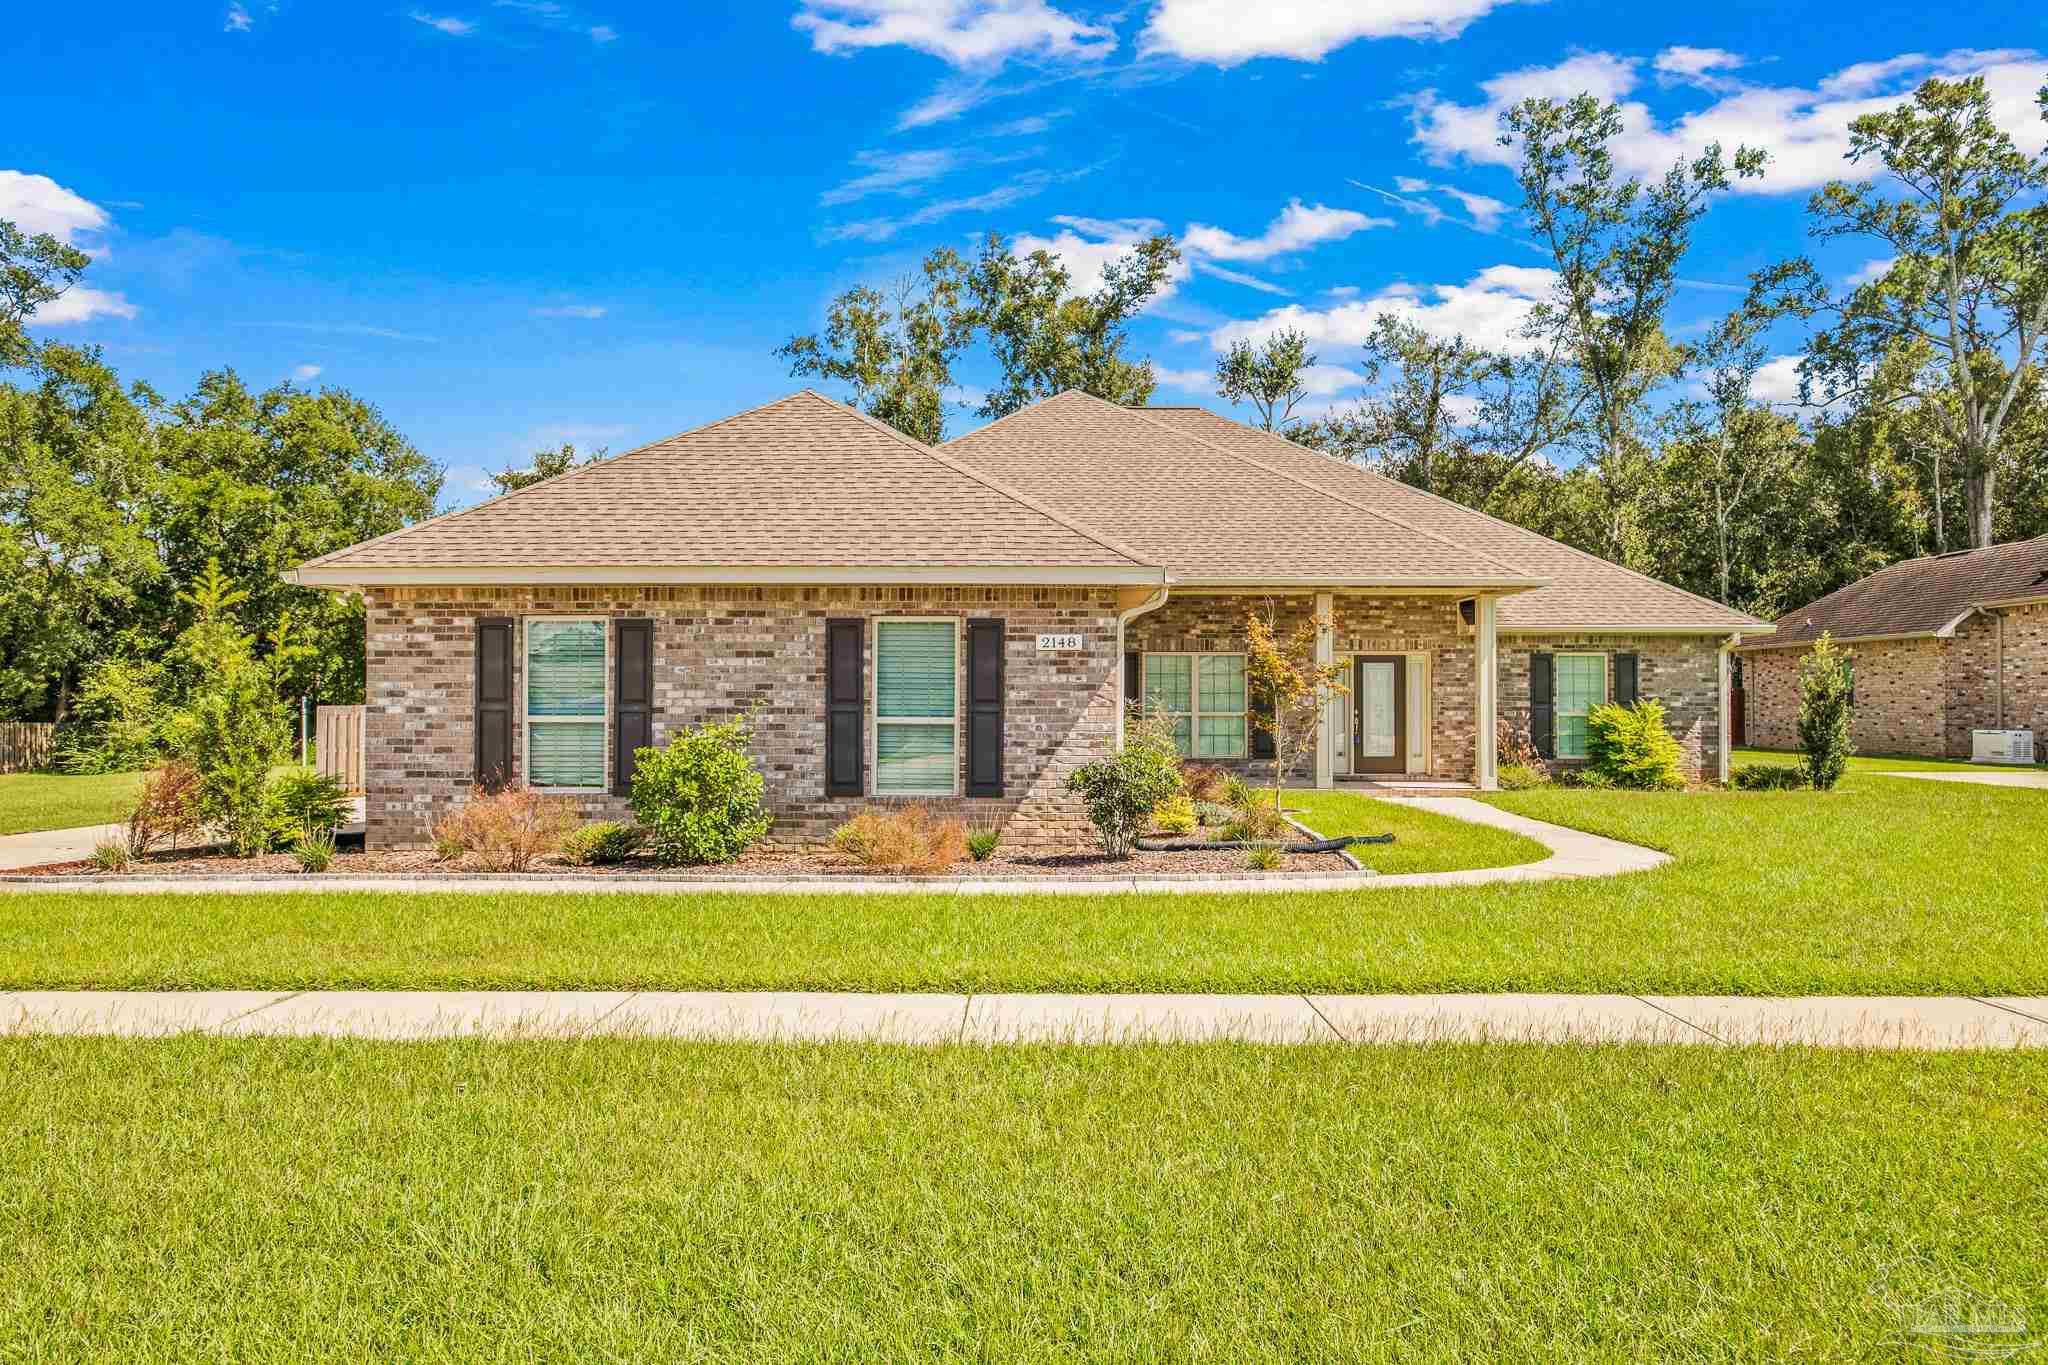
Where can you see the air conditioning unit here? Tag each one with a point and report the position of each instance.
(2001, 746)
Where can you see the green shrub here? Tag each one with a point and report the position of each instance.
(1213, 813)
(1257, 821)
(1591, 779)
(982, 843)
(1264, 858)
(600, 844)
(1827, 687)
(1769, 777)
(1238, 792)
(314, 850)
(113, 726)
(1514, 777)
(700, 797)
(1175, 815)
(1123, 790)
(304, 802)
(111, 855)
(1629, 746)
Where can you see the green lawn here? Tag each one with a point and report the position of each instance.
(1422, 842)
(1883, 887)
(36, 801)
(199, 1198)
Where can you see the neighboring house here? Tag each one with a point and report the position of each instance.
(963, 625)
(1941, 646)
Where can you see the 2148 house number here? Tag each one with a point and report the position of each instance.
(1062, 641)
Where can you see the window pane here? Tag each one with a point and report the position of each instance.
(1581, 682)
(1223, 683)
(1168, 682)
(1571, 736)
(1221, 737)
(564, 668)
(914, 668)
(565, 755)
(914, 760)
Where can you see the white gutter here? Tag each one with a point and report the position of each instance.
(626, 575)
(1123, 621)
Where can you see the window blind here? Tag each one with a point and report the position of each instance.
(565, 666)
(915, 707)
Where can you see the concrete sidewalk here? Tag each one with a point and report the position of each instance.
(1924, 1022)
(53, 845)
(1990, 777)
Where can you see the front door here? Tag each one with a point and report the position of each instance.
(1379, 714)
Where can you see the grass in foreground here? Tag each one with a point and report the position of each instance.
(1883, 887)
(258, 1200)
(1422, 842)
(39, 801)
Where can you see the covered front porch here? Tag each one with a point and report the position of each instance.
(1420, 669)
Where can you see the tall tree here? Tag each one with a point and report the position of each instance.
(1956, 325)
(1269, 377)
(545, 465)
(896, 352)
(1615, 245)
(33, 271)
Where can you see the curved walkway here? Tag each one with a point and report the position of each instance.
(1573, 853)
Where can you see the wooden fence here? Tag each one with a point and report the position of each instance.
(339, 746)
(26, 745)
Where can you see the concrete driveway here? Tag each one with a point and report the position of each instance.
(52, 846)
(1990, 777)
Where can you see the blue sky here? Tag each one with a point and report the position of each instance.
(511, 223)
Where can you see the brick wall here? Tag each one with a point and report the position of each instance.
(1902, 689)
(720, 652)
(1970, 681)
(1214, 623)
(2026, 672)
(1681, 671)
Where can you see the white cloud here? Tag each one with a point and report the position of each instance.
(1696, 61)
(1221, 32)
(571, 310)
(1777, 381)
(1002, 196)
(1487, 310)
(962, 33)
(603, 33)
(238, 20)
(1085, 245)
(1184, 381)
(1029, 126)
(1326, 381)
(453, 27)
(36, 203)
(1239, 277)
(1871, 270)
(892, 173)
(302, 373)
(1484, 210)
(1298, 227)
(1181, 336)
(1805, 131)
(80, 303)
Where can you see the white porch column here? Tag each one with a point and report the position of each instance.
(1486, 647)
(1727, 705)
(1326, 654)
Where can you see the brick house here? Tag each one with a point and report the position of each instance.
(964, 625)
(1941, 646)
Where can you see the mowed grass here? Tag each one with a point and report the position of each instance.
(1886, 886)
(38, 801)
(599, 1200)
(1423, 842)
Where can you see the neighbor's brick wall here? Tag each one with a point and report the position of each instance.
(1681, 671)
(1214, 623)
(1970, 676)
(719, 652)
(1902, 689)
(2026, 672)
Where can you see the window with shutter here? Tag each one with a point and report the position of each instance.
(846, 696)
(494, 636)
(1581, 685)
(565, 702)
(985, 707)
(917, 710)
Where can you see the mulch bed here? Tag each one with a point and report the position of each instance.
(757, 862)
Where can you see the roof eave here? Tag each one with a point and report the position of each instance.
(1806, 640)
(356, 577)
(1617, 628)
(2029, 600)
(1497, 587)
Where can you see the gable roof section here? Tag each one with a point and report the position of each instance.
(1928, 596)
(1211, 514)
(799, 490)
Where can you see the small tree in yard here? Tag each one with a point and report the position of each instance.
(1288, 672)
(1123, 790)
(700, 797)
(1827, 684)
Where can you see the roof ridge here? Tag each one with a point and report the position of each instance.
(1139, 413)
(1498, 521)
(561, 478)
(1058, 518)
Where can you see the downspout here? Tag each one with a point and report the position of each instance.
(1726, 738)
(1153, 602)
(2002, 614)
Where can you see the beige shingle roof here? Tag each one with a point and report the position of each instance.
(799, 483)
(1209, 513)
(1922, 596)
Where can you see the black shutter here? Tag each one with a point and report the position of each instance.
(985, 707)
(1627, 674)
(845, 709)
(1543, 703)
(1134, 671)
(632, 699)
(493, 702)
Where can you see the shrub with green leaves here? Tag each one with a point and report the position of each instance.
(1175, 815)
(601, 844)
(1769, 777)
(700, 797)
(314, 852)
(113, 726)
(1827, 695)
(1629, 746)
(1265, 858)
(304, 802)
(1514, 777)
(1122, 790)
(982, 843)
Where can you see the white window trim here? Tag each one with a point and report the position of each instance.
(1557, 711)
(874, 706)
(1194, 713)
(527, 722)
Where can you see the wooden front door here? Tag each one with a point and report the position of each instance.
(1379, 714)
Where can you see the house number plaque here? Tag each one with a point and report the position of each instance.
(1061, 641)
